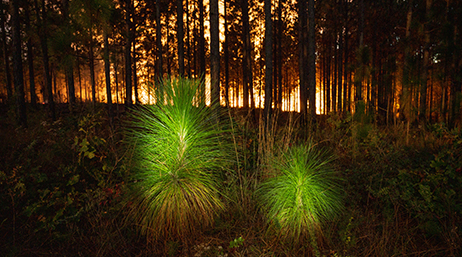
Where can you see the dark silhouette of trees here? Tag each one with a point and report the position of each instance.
(269, 66)
(214, 52)
(6, 62)
(17, 66)
(398, 58)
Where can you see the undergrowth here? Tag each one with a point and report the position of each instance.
(63, 189)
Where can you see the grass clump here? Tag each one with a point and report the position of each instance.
(303, 193)
(178, 153)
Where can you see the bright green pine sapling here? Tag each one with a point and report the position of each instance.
(179, 153)
(303, 194)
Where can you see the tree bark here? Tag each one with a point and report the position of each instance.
(312, 60)
(107, 72)
(42, 22)
(226, 52)
(9, 87)
(160, 72)
(128, 54)
(214, 52)
(17, 67)
(269, 66)
(247, 54)
(69, 65)
(180, 35)
(91, 60)
(303, 57)
(425, 65)
(30, 60)
(201, 39)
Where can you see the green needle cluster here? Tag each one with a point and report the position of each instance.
(178, 156)
(303, 194)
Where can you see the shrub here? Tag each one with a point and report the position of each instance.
(178, 153)
(303, 194)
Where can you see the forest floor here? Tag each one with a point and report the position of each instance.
(63, 183)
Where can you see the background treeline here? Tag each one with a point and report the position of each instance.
(402, 59)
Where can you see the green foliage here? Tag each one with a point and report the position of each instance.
(304, 193)
(236, 243)
(56, 177)
(178, 157)
(428, 190)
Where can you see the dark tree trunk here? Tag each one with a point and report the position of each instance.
(42, 21)
(303, 58)
(328, 74)
(269, 66)
(160, 72)
(107, 72)
(405, 99)
(346, 102)
(180, 35)
(279, 55)
(91, 60)
(188, 41)
(226, 50)
(312, 60)
(128, 54)
(135, 76)
(69, 65)
(9, 87)
(201, 39)
(247, 54)
(17, 67)
(214, 52)
(201, 54)
(30, 60)
(426, 65)
(340, 59)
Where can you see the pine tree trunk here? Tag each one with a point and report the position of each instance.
(160, 72)
(128, 54)
(9, 87)
(269, 66)
(214, 52)
(17, 67)
(180, 35)
(312, 60)
(30, 60)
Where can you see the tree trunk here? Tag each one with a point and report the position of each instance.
(303, 58)
(269, 66)
(69, 64)
(160, 72)
(42, 21)
(346, 102)
(247, 54)
(9, 87)
(201, 54)
(128, 54)
(30, 60)
(425, 65)
(312, 60)
(135, 75)
(201, 39)
(107, 72)
(180, 35)
(340, 58)
(279, 55)
(214, 52)
(226, 50)
(17, 67)
(91, 60)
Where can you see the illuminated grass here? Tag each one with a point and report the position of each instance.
(178, 157)
(303, 194)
